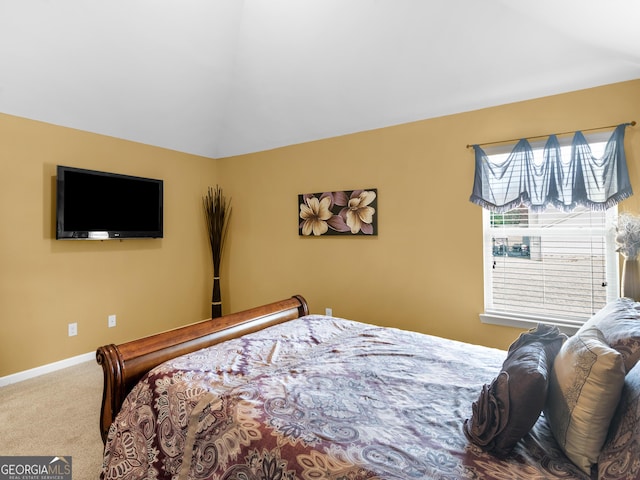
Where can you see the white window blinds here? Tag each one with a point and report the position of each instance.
(549, 264)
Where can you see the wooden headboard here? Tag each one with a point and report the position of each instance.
(125, 364)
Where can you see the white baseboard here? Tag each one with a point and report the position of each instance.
(51, 367)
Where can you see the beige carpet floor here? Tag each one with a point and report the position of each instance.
(55, 414)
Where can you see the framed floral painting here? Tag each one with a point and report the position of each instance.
(350, 212)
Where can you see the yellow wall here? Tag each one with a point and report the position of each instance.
(422, 272)
(151, 285)
(424, 269)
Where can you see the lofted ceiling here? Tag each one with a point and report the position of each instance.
(225, 77)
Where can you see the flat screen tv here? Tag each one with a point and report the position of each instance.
(93, 205)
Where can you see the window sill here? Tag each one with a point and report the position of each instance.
(568, 327)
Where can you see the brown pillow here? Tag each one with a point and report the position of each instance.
(507, 409)
(619, 322)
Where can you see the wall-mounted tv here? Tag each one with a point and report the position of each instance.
(93, 205)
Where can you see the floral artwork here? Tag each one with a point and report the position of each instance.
(338, 213)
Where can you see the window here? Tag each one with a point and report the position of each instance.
(551, 266)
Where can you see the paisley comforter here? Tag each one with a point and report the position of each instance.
(319, 398)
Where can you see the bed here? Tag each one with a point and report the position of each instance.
(275, 393)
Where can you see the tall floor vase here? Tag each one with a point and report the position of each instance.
(630, 284)
(216, 299)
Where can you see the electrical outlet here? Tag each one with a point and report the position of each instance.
(328, 312)
(73, 329)
(111, 321)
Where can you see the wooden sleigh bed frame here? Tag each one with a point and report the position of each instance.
(125, 364)
(315, 396)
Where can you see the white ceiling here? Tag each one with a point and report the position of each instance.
(225, 77)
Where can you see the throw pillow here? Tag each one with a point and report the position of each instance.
(508, 408)
(620, 456)
(584, 390)
(619, 322)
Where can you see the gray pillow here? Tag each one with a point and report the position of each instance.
(507, 409)
(620, 456)
(619, 322)
(584, 390)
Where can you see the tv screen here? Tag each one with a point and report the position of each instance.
(92, 205)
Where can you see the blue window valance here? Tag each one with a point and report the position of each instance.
(582, 179)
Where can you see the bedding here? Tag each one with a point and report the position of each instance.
(326, 398)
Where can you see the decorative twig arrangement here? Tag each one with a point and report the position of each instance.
(217, 212)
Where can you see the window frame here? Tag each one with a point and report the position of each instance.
(567, 325)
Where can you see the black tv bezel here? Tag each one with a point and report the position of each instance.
(62, 234)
